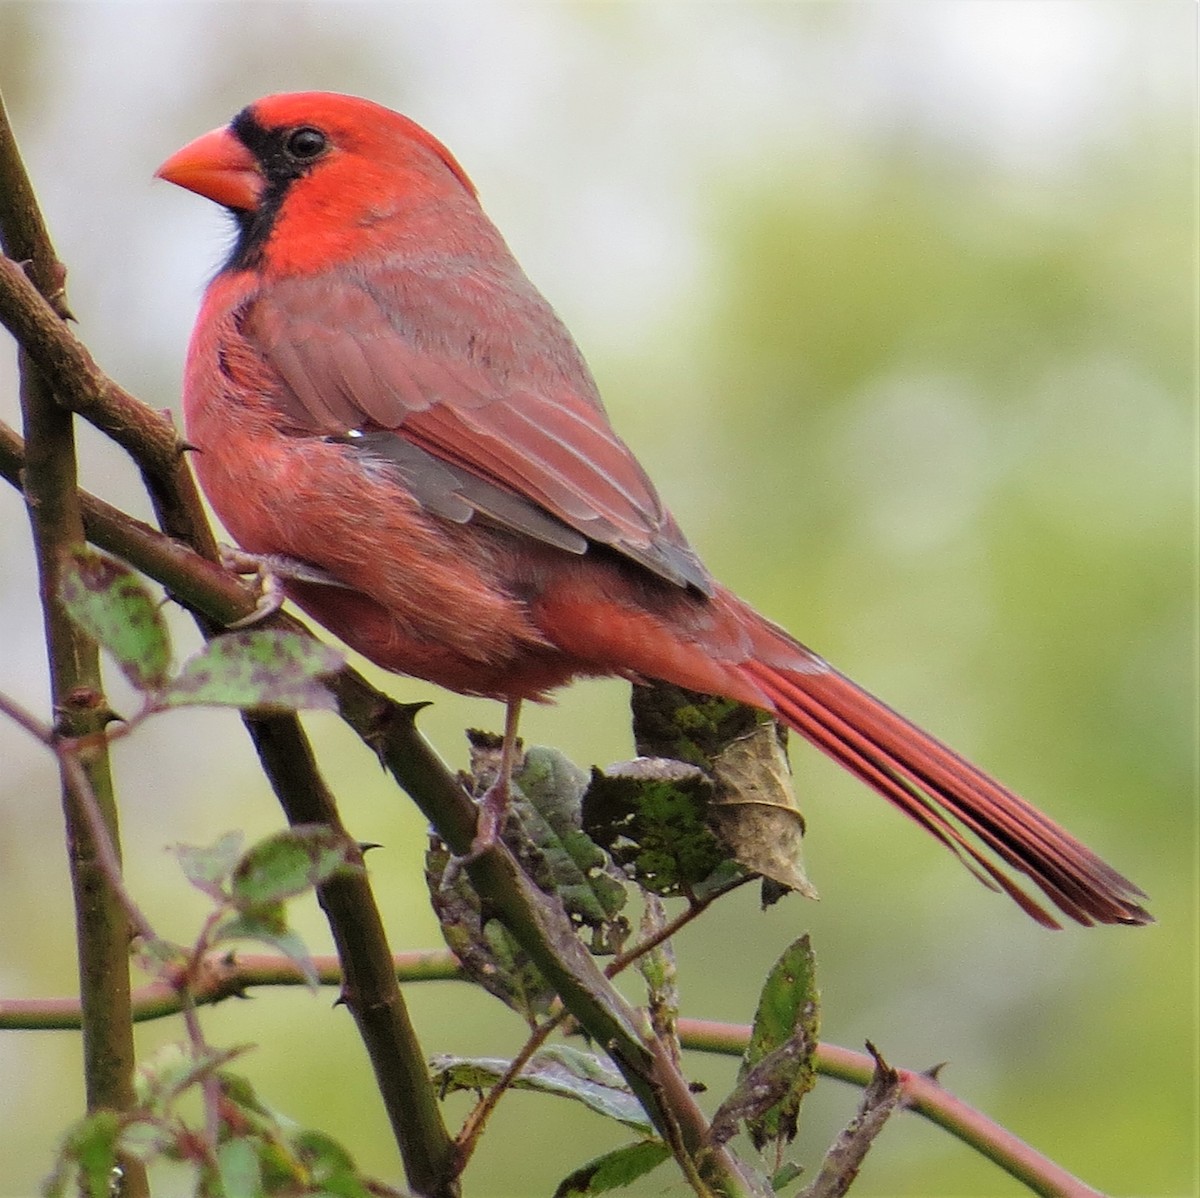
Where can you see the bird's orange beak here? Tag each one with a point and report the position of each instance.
(218, 167)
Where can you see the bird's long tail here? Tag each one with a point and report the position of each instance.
(722, 646)
(984, 823)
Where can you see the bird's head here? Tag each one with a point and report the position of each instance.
(334, 167)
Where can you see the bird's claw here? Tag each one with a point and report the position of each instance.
(271, 570)
(270, 587)
(493, 808)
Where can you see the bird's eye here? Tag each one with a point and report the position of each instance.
(305, 144)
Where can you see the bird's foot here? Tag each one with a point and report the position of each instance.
(493, 808)
(270, 587)
(270, 570)
(493, 805)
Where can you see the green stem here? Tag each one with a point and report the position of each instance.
(56, 520)
(223, 978)
(217, 598)
(369, 986)
(543, 930)
(923, 1094)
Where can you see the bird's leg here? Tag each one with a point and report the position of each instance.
(493, 806)
(270, 570)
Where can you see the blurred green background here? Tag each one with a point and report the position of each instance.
(897, 303)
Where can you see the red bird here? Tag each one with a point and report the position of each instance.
(380, 395)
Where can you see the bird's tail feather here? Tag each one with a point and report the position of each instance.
(960, 805)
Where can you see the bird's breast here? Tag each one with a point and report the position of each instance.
(420, 595)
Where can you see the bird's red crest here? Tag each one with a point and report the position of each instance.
(362, 125)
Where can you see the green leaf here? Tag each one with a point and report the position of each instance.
(263, 669)
(146, 1138)
(238, 1170)
(210, 867)
(238, 1092)
(92, 1146)
(566, 861)
(777, 1070)
(267, 925)
(174, 1069)
(560, 1070)
(329, 1165)
(157, 955)
(109, 601)
(651, 816)
(789, 999)
(322, 1152)
(487, 950)
(276, 869)
(669, 721)
(615, 1169)
(721, 879)
(278, 1169)
(785, 1175)
(289, 863)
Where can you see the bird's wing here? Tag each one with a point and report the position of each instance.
(469, 431)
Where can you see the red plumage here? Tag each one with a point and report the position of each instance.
(376, 389)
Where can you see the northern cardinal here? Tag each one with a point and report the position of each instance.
(379, 394)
